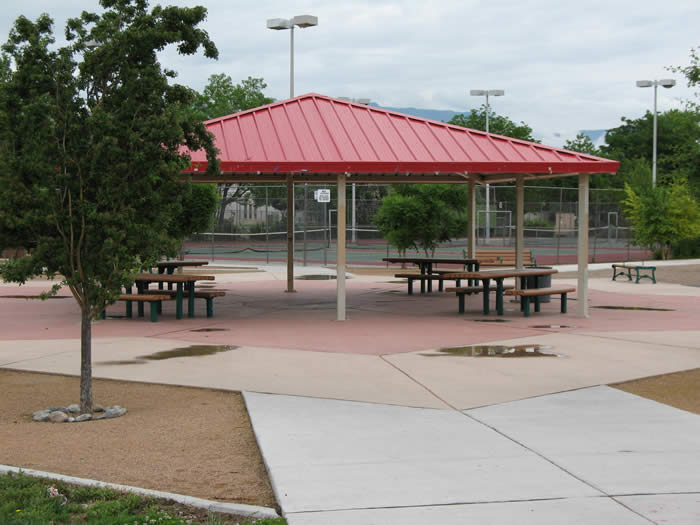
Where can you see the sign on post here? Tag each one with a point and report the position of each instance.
(322, 195)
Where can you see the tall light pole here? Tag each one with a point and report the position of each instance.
(667, 83)
(283, 23)
(486, 93)
(279, 24)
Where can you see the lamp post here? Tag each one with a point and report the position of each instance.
(486, 93)
(283, 23)
(667, 83)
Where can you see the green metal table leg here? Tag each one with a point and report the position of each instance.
(526, 306)
(563, 303)
(499, 296)
(486, 286)
(460, 297)
(178, 302)
(210, 307)
(129, 312)
(537, 303)
(190, 299)
(154, 311)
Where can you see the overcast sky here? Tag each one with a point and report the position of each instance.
(564, 66)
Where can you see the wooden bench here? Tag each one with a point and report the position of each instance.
(207, 295)
(423, 278)
(526, 294)
(461, 291)
(503, 257)
(626, 269)
(155, 300)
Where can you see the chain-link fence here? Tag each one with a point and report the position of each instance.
(250, 225)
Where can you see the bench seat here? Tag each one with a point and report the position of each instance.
(207, 295)
(626, 269)
(155, 300)
(528, 293)
(423, 278)
(461, 291)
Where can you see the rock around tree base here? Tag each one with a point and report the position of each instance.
(71, 414)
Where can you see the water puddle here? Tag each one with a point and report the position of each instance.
(185, 351)
(552, 326)
(189, 351)
(211, 330)
(317, 277)
(634, 308)
(495, 351)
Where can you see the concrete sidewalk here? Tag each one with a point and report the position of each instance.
(595, 455)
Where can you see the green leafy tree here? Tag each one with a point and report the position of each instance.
(663, 215)
(678, 145)
(498, 124)
(692, 75)
(222, 97)
(582, 144)
(422, 216)
(91, 136)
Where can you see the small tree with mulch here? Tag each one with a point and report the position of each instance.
(91, 136)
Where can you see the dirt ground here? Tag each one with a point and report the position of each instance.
(190, 441)
(197, 442)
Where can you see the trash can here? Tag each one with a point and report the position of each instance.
(545, 281)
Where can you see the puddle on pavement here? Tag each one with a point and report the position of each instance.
(495, 351)
(490, 320)
(634, 308)
(211, 330)
(34, 297)
(189, 351)
(404, 281)
(318, 277)
(552, 326)
(185, 351)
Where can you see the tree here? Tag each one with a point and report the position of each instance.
(422, 216)
(91, 136)
(678, 149)
(662, 215)
(582, 144)
(498, 124)
(221, 97)
(692, 75)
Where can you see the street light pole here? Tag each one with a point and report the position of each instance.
(667, 83)
(481, 93)
(283, 23)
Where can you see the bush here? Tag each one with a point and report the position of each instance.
(686, 249)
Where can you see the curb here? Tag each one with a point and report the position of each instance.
(249, 511)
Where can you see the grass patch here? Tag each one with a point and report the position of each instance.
(28, 500)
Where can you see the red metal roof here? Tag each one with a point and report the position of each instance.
(318, 134)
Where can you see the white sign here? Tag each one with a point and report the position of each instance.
(322, 195)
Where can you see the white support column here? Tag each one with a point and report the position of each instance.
(471, 211)
(519, 220)
(582, 252)
(290, 234)
(340, 248)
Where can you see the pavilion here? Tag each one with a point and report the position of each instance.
(315, 138)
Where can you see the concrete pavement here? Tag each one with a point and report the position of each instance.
(366, 421)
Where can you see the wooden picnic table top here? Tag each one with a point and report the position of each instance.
(174, 278)
(176, 264)
(433, 260)
(501, 274)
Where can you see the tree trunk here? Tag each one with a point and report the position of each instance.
(85, 363)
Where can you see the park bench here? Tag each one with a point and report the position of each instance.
(528, 293)
(626, 269)
(422, 277)
(207, 295)
(155, 300)
(461, 291)
(502, 257)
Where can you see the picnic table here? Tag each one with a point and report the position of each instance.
(184, 283)
(499, 276)
(425, 264)
(169, 267)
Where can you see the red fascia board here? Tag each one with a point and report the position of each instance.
(576, 167)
